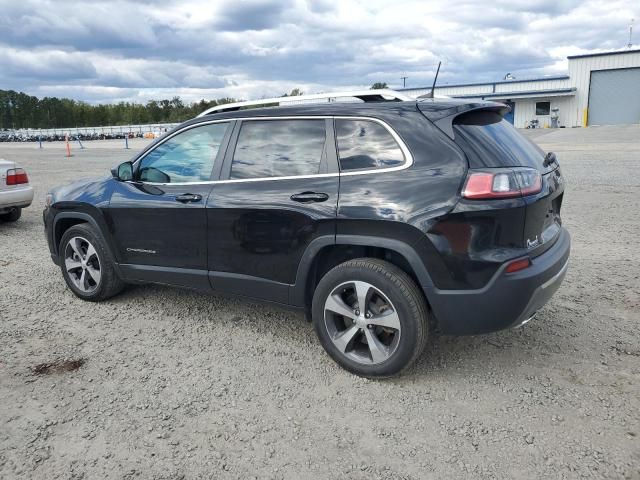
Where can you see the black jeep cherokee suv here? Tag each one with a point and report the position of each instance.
(383, 221)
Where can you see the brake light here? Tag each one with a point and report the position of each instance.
(502, 183)
(518, 265)
(16, 176)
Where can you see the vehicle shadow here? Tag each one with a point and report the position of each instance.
(549, 334)
(444, 356)
(214, 309)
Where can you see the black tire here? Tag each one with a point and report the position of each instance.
(13, 216)
(110, 284)
(407, 301)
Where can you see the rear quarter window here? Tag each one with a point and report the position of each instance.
(365, 144)
(488, 141)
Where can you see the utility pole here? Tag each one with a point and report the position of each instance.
(630, 44)
(404, 81)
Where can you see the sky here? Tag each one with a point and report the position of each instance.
(122, 50)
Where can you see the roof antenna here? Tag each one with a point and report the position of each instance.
(433, 88)
(630, 44)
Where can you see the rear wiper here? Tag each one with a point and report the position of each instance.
(549, 159)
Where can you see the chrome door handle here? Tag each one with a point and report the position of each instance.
(308, 197)
(188, 198)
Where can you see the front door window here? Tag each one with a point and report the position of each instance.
(186, 157)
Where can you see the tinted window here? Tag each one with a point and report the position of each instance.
(490, 141)
(186, 157)
(543, 108)
(366, 144)
(278, 148)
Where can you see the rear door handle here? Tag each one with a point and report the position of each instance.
(308, 197)
(188, 198)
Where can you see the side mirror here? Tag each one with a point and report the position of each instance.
(123, 172)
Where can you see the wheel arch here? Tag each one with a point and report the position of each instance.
(67, 219)
(325, 253)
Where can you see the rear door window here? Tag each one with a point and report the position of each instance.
(490, 141)
(365, 144)
(279, 148)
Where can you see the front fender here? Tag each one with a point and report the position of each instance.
(83, 213)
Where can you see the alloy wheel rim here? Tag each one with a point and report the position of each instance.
(362, 322)
(82, 264)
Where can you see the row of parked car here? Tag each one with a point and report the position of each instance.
(15, 136)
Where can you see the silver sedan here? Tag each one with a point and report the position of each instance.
(15, 191)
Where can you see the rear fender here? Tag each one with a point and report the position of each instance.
(297, 290)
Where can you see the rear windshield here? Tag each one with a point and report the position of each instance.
(489, 141)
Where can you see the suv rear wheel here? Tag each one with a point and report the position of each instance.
(370, 317)
(86, 264)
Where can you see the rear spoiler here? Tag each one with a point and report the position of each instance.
(443, 117)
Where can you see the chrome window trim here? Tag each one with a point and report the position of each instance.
(408, 158)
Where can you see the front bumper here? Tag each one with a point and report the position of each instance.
(508, 300)
(47, 220)
(15, 198)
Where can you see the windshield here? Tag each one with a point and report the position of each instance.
(490, 141)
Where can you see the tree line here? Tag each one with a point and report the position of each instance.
(19, 110)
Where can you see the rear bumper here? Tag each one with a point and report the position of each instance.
(16, 198)
(508, 300)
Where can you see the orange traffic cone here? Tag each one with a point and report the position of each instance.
(68, 146)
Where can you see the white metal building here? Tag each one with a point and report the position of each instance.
(599, 89)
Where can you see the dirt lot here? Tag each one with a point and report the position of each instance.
(176, 384)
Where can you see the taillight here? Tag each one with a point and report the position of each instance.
(16, 176)
(518, 265)
(502, 183)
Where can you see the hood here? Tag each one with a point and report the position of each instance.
(89, 189)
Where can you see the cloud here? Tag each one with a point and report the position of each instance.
(135, 50)
(250, 15)
(44, 65)
(76, 25)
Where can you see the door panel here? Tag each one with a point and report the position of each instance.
(151, 227)
(159, 219)
(258, 227)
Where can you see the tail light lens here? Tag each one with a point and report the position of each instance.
(16, 176)
(502, 183)
(518, 265)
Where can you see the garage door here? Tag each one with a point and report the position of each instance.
(614, 97)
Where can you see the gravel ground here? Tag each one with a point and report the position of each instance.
(176, 384)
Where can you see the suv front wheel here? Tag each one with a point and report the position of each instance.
(370, 317)
(86, 264)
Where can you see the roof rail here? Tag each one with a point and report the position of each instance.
(380, 95)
